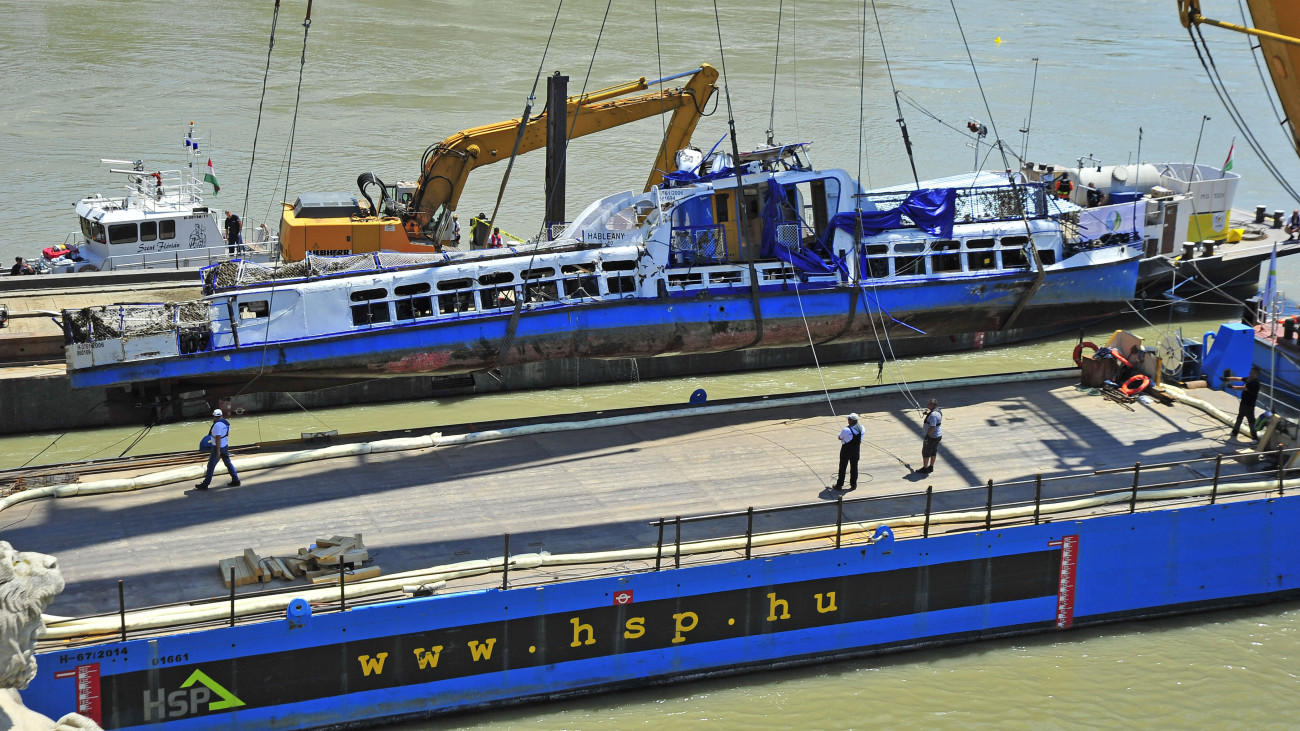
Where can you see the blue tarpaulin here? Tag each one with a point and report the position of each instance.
(932, 209)
(774, 214)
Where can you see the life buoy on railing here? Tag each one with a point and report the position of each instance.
(1141, 381)
(1078, 351)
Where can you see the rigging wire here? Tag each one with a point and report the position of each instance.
(663, 103)
(266, 75)
(1255, 51)
(523, 120)
(302, 65)
(1220, 89)
(902, 123)
(987, 110)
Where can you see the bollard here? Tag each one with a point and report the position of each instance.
(1038, 495)
(1207, 247)
(929, 493)
(1277, 219)
(505, 565)
(1133, 496)
(749, 531)
(1260, 212)
(1189, 251)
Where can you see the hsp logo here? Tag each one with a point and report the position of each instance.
(197, 690)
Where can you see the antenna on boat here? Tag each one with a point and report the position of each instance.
(1033, 89)
(776, 65)
(1204, 118)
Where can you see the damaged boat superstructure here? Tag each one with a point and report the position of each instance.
(803, 255)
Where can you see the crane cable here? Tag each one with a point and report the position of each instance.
(523, 121)
(1220, 89)
(266, 75)
(902, 123)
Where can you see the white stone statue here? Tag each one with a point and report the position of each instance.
(28, 583)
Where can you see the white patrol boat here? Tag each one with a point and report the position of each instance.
(160, 222)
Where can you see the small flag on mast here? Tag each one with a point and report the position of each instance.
(1227, 164)
(211, 177)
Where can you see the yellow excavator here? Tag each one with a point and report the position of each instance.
(417, 218)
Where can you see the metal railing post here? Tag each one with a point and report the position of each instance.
(988, 508)
(1038, 495)
(659, 545)
(1281, 469)
(121, 607)
(929, 495)
(1214, 486)
(677, 542)
(505, 565)
(839, 519)
(1133, 496)
(749, 531)
(232, 596)
(343, 599)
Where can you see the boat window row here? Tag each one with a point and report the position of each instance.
(129, 233)
(492, 291)
(917, 258)
(768, 273)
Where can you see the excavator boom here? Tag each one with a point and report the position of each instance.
(448, 164)
(325, 223)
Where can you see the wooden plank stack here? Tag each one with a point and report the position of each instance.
(320, 563)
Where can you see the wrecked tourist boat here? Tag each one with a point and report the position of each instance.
(800, 256)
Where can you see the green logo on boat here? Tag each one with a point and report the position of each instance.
(228, 699)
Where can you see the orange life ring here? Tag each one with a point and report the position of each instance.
(1114, 352)
(1128, 389)
(1078, 351)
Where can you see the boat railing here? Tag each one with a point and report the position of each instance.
(981, 204)
(197, 257)
(698, 245)
(831, 523)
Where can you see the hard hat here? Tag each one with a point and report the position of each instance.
(853, 417)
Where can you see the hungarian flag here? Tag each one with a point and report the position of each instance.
(1227, 164)
(211, 177)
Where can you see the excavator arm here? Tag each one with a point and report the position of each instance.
(447, 165)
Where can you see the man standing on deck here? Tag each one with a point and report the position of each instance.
(1249, 395)
(220, 433)
(234, 239)
(850, 448)
(933, 433)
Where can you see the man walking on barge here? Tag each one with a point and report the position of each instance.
(850, 448)
(220, 450)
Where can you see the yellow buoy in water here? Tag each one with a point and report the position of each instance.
(998, 40)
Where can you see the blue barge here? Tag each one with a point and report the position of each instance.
(458, 652)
